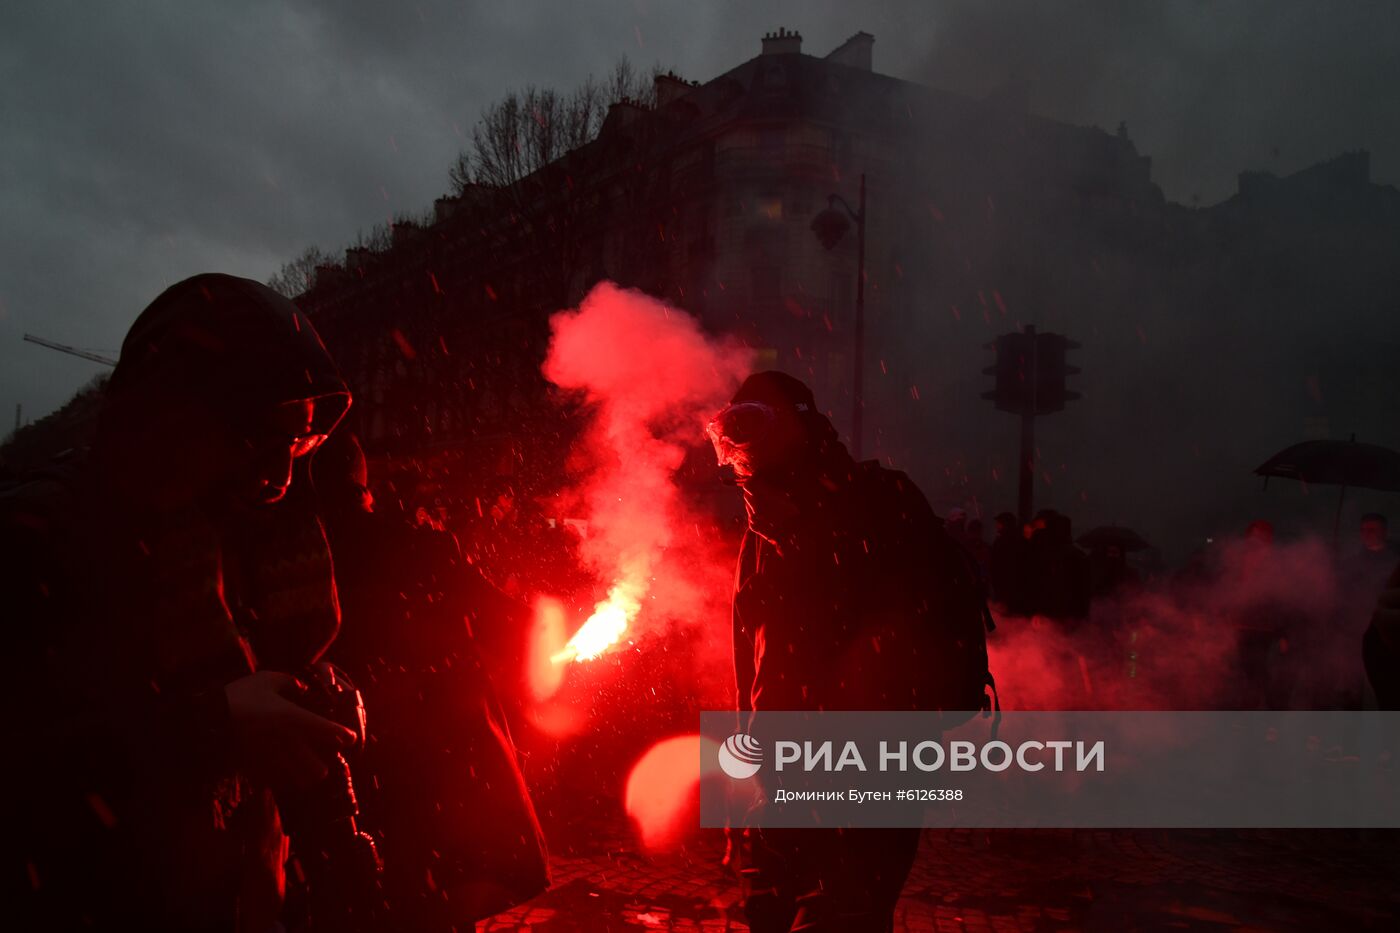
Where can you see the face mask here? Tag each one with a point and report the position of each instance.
(743, 436)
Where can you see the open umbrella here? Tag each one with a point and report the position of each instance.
(1117, 536)
(1337, 463)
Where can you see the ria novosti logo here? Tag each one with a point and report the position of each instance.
(740, 756)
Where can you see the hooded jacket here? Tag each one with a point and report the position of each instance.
(845, 576)
(135, 597)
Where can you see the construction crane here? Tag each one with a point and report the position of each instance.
(71, 351)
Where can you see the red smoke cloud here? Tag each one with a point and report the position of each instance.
(1254, 625)
(649, 377)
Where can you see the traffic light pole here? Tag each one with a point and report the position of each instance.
(858, 377)
(1030, 370)
(1025, 500)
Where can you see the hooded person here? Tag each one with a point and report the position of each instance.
(1059, 573)
(1110, 573)
(457, 828)
(1380, 645)
(849, 595)
(156, 615)
(1008, 560)
(955, 523)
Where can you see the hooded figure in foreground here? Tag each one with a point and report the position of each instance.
(849, 596)
(158, 591)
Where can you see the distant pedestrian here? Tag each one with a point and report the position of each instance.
(1365, 568)
(1008, 565)
(1110, 572)
(1059, 574)
(1381, 645)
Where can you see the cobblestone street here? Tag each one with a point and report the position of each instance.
(1045, 881)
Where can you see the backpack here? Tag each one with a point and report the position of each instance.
(959, 676)
(951, 611)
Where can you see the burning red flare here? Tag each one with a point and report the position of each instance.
(605, 627)
(651, 378)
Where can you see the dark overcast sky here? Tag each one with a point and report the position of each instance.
(145, 142)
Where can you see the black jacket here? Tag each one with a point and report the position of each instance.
(126, 621)
(838, 607)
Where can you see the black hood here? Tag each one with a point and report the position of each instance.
(785, 393)
(233, 345)
(203, 364)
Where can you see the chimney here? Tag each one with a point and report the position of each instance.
(327, 275)
(621, 115)
(782, 42)
(405, 233)
(445, 207)
(855, 52)
(357, 257)
(669, 87)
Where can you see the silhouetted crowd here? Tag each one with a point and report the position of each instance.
(1288, 655)
(245, 696)
(1036, 569)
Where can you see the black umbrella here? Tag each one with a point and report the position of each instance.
(1117, 536)
(1337, 463)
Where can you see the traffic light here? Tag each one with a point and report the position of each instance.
(1051, 371)
(1030, 372)
(1012, 370)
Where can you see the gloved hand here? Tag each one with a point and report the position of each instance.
(279, 741)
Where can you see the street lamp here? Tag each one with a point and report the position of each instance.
(830, 226)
